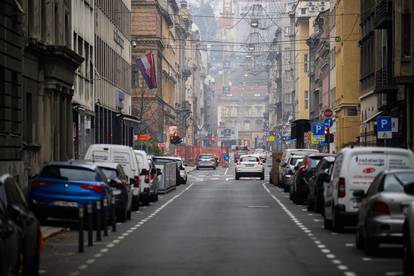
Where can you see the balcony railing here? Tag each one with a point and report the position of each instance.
(383, 14)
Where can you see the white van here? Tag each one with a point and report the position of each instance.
(145, 179)
(123, 155)
(287, 153)
(354, 169)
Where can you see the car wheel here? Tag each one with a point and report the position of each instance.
(370, 246)
(336, 222)
(129, 214)
(30, 252)
(408, 258)
(327, 224)
(359, 240)
(135, 204)
(123, 215)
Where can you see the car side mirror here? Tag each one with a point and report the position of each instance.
(159, 172)
(185, 164)
(144, 172)
(359, 193)
(409, 188)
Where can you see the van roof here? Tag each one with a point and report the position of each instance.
(375, 150)
(111, 165)
(109, 146)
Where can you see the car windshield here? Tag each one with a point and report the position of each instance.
(109, 172)
(205, 157)
(68, 173)
(396, 182)
(158, 160)
(295, 160)
(249, 159)
(313, 162)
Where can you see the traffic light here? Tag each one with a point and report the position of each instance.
(327, 136)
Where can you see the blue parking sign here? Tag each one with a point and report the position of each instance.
(384, 123)
(328, 122)
(318, 128)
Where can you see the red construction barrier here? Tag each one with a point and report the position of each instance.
(191, 153)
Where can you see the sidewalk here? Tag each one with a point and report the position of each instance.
(50, 231)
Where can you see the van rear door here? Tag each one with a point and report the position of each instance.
(365, 166)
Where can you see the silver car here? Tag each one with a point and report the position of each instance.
(381, 209)
(289, 170)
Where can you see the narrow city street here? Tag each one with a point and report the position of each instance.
(216, 225)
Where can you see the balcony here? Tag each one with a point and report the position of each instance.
(383, 14)
(383, 81)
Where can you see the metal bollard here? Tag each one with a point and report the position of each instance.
(98, 221)
(105, 217)
(90, 222)
(80, 240)
(113, 216)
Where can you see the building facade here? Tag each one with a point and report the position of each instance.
(83, 100)
(347, 86)
(112, 77)
(37, 72)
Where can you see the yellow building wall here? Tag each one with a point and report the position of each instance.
(302, 81)
(347, 58)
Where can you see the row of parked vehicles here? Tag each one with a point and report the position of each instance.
(370, 188)
(117, 175)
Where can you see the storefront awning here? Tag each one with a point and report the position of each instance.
(372, 117)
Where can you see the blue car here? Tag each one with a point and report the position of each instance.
(62, 187)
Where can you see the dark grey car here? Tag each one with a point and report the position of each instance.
(381, 210)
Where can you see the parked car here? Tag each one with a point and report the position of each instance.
(316, 184)
(261, 153)
(380, 212)
(123, 155)
(285, 157)
(355, 169)
(300, 187)
(154, 173)
(290, 170)
(206, 160)
(20, 235)
(408, 234)
(181, 172)
(121, 188)
(62, 187)
(148, 181)
(250, 166)
(239, 152)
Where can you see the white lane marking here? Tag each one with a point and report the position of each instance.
(393, 273)
(132, 229)
(319, 244)
(365, 259)
(42, 271)
(257, 206)
(226, 171)
(91, 261)
(76, 273)
(350, 244)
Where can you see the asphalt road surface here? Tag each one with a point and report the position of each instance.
(216, 225)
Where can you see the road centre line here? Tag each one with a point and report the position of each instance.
(226, 171)
(319, 245)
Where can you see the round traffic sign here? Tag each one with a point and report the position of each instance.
(328, 113)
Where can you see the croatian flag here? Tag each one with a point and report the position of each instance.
(147, 67)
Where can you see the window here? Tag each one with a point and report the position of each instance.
(303, 11)
(68, 173)
(305, 62)
(406, 35)
(352, 111)
(29, 118)
(306, 99)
